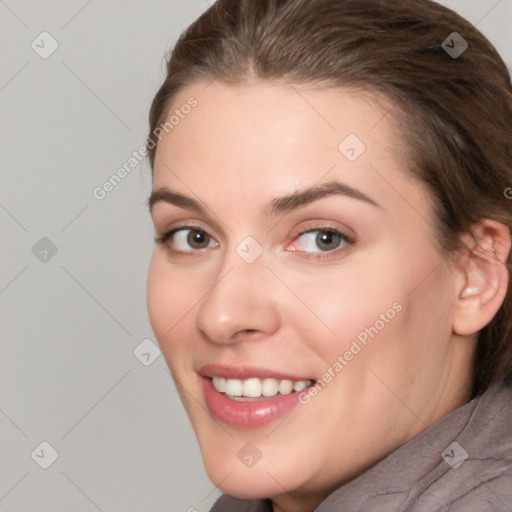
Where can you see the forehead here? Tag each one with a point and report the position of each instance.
(265, 139)
(273, 119)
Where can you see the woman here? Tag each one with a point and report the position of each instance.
(330, 283)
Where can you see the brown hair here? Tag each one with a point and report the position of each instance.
(456, 111)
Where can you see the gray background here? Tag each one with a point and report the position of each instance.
(72, 320)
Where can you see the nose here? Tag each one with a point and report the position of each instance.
(239, 304)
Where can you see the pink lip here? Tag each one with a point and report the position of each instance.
(246, 372)
(247, 414)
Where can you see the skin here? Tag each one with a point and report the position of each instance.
(296, 308)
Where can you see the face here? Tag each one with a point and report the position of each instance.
(298, 294)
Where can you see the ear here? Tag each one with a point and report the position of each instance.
(485, 276)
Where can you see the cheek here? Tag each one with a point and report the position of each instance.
(333, 306)
(170, 302)
(159, 298)
(389, 308)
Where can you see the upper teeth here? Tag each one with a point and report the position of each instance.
(258, 387)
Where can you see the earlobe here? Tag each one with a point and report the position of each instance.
(468, 292)
(486, 276)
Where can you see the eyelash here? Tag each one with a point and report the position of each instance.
(164, 238)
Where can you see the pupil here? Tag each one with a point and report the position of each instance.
(327, 241)
(196, 239)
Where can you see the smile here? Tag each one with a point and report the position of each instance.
(254, 387)
(248, 397)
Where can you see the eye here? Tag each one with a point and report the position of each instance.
(320, 240)
(186, 239)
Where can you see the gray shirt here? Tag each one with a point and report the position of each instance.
(463, 463)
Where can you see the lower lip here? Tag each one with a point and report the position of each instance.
(247, 414)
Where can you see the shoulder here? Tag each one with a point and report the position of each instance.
(481, 492)
(490, 495)
(476, 472)
(229, 504)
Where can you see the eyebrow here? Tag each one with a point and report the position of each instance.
(277, 206)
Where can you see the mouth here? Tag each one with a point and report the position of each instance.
(248, 397)
(253, 389)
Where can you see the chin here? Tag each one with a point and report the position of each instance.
(265, 479)
(247, 484)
